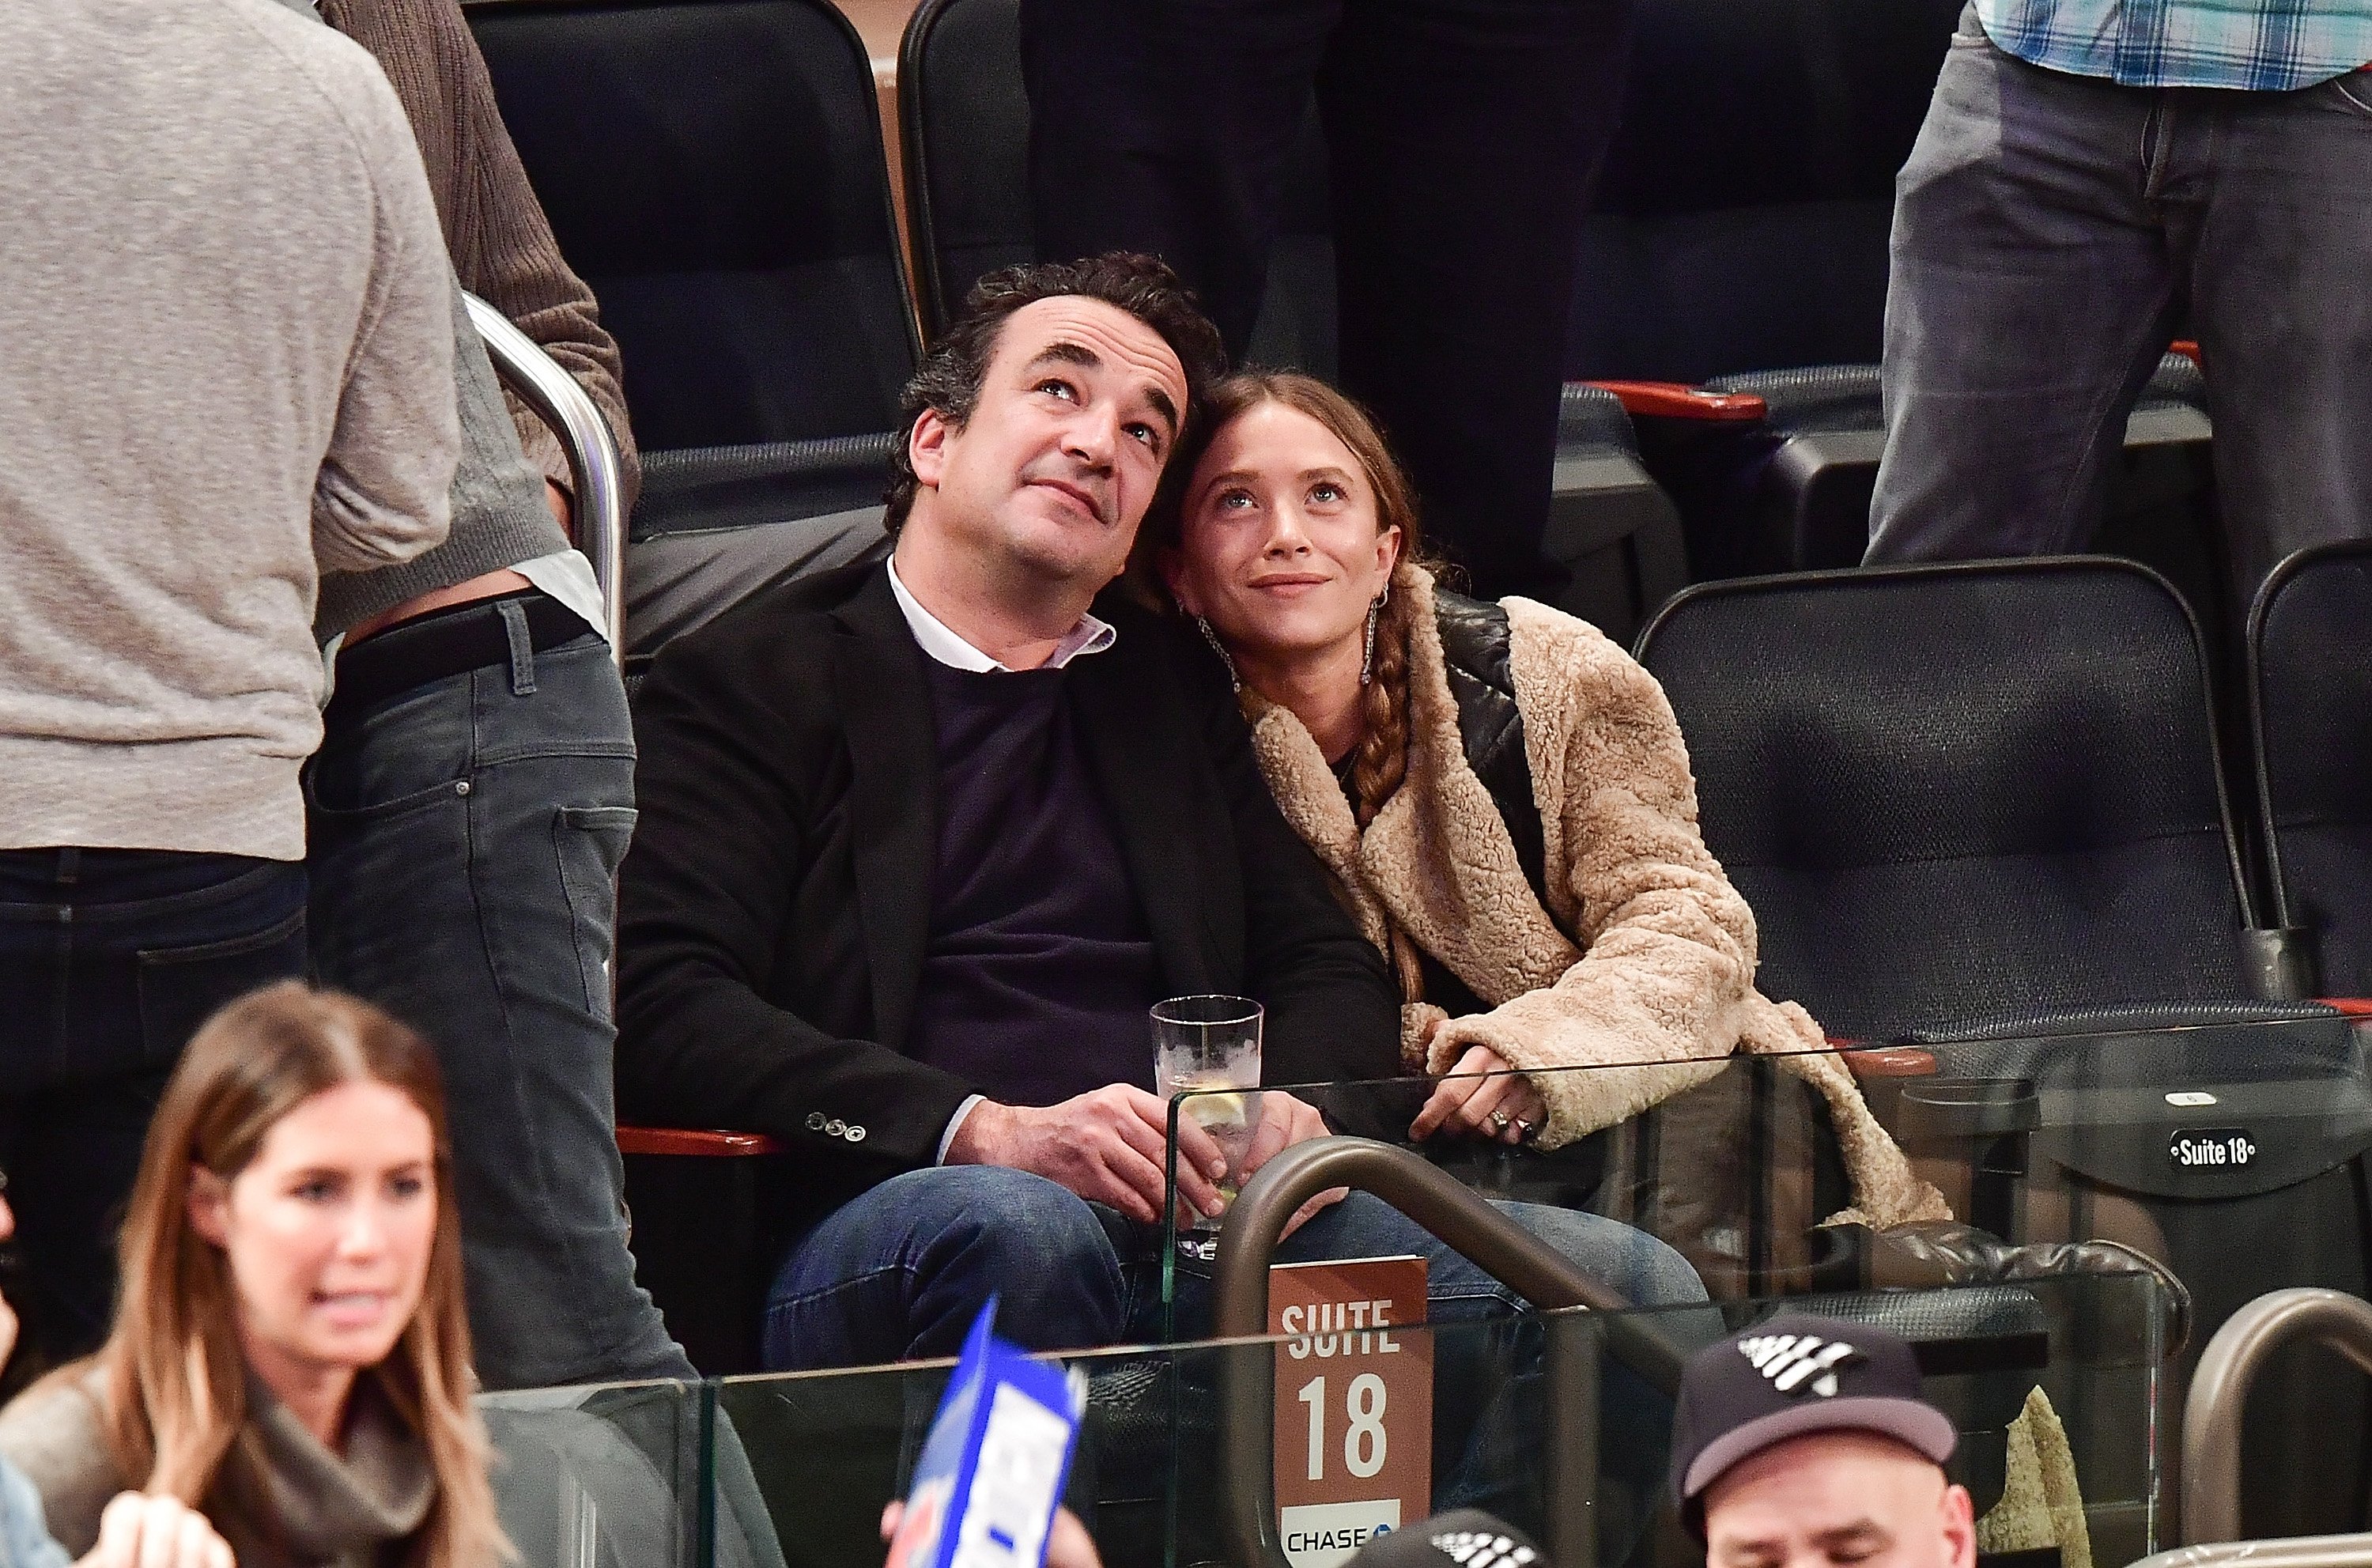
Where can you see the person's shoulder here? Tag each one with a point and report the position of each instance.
(53, 1433)
(348, 88)
(779, 636)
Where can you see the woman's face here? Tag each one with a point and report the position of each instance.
(327, 1230)
(1280, 549)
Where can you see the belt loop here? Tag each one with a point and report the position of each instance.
(522, 647)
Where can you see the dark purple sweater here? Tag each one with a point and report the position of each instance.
(1040, 967)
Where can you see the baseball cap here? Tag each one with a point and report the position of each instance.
(1464, 1537)
(1787, 1377)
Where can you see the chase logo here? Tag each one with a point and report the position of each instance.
(1796, 1363)
(1481, 1548)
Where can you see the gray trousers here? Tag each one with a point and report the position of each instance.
(464, 835)
(2051, 233)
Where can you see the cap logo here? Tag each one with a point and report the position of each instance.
(1481, 1548)
(1796, 1363)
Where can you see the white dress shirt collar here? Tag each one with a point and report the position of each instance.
(1089, 636)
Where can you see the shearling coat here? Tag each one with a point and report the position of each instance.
(1644, 955)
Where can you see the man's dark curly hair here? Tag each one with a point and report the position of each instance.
(948, 379)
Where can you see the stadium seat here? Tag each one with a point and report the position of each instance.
(1957, 792)
(965, 120)
(714, 169)
(2311, 698)
(1746, 251)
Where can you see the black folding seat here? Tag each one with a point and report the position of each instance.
(1979, 806)
(714, 169)
(965, 121)
(2310, 693)
(1954, 794)
(1739, 242)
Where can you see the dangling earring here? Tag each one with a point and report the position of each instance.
(1375, 609)
(1235, 682)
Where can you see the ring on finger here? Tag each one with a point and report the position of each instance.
(1499, 1122)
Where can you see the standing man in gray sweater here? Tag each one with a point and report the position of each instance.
(475, 790)
(226, 367)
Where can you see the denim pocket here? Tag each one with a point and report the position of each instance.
(180, 988)
(591, 843)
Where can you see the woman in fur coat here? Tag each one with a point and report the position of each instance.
(1501, 795)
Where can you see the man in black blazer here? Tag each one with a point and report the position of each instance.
(921, 842)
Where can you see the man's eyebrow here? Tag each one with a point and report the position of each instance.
(1858, 1531)
(1062, 350)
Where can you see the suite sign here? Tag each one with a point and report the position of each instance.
(2211, 1148)
(1354, 1404)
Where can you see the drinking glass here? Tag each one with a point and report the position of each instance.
(1203, 1047)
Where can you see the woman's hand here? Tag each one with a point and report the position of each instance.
(139, 1531)
(1504, 1107)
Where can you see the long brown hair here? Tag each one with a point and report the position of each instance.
(173, 1378)
(1381, 760)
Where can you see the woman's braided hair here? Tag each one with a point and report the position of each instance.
(1380, 762)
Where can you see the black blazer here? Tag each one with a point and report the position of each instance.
(775, 903)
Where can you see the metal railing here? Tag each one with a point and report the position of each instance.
(1485, 1237)
(2218, 1398)
(2295, 1552)
(601, 501)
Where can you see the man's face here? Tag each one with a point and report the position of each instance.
(1077, 412)
(1835, 1498)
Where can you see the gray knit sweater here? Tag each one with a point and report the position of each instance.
(225, 365)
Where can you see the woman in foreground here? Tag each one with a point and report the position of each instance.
(1501, 795)
(290, 1356)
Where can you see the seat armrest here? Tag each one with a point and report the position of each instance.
(702, 1144)
(1886, 1061)
(1675, 400)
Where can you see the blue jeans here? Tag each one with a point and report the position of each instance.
(464, 835)
(2051, 233)
(900, 1272)
(110, 960)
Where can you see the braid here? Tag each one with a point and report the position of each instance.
(1381, 760)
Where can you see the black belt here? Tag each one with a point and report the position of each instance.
(446, 642)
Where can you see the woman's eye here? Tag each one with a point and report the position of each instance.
(320, 1189)
(1325, 495)
(1233, 500)
(407, 1186)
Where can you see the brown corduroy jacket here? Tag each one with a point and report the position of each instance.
(1643, 960)
(502, 245)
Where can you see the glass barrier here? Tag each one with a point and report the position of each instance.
(1284, 1452)
(606, 1476)
(2233, 1154)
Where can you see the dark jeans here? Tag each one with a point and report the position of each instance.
(1462, 137)
(464, 835)
(110, 960)
(2051, 233)
(902, 1271)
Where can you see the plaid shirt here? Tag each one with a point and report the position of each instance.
(2259, 45)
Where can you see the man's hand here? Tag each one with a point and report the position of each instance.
(1464, 1104)
(137, 1531)
(1109, 1147)
(1068, 1545)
